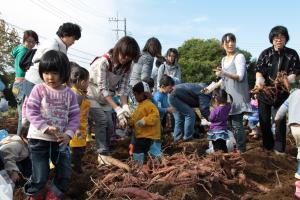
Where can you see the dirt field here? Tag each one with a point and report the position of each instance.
(267, 169)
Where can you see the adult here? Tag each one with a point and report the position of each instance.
(277, 58)
(30, 39)
(235, 82)
(66, 36)
(183, 99)
(143, 68)
(109, 75)
(170, 67)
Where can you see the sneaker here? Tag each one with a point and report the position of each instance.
(104, 160)
(279, 153)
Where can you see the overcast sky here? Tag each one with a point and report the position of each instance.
(171, 21)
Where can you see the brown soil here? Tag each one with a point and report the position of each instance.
(272, 171)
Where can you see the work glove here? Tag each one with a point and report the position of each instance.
(291, 78)
(121, 116)
(140, 123)
(127, 112)
(260, 81)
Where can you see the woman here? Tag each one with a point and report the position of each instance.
(30, 39)
(234, 75)
(277, 58)
(109, 75)
(143, 68)
(170, 67)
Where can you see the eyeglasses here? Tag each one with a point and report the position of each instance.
(280, 37)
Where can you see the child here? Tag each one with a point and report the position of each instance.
(79, 80)
(218, 117)
(53, 113)
(144, 121)
(292, 106)
(160, 98)
(253, 118)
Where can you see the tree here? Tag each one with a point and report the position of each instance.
(8, 40)
(198, 57)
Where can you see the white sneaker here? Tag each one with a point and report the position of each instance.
(104, 160)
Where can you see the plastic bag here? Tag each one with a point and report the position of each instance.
(231, 142)
(6, 186)
(3, 105)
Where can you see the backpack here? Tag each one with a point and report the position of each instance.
(110, 64)
(26, 60)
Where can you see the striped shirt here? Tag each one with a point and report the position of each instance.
(49, 107)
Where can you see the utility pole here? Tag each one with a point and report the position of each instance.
(117, 20)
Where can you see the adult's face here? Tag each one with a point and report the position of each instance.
(124, 59)
(29, 42)
(68, 40)
(229, 46)
(279, 41)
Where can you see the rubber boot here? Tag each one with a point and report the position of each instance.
(297, 193)
(297, 174)
(139, 157)
(51, 196)
(155, 149)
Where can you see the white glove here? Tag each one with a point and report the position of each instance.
(204, 122)
(127, 112)
(141, 122)
(291, 78)
(121, 116)
(260, 81)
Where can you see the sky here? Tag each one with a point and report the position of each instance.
(171, 21)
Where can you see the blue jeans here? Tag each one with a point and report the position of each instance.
(40, 153)
(103, 129)
(183, 99)
(21, 90)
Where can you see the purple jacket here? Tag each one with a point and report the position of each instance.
(219, 116)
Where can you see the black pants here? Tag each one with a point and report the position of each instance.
(220, 145)
(265, 113)
(77, 154)
(142, 145)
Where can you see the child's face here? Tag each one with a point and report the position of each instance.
(83, 85)
(52, 79)
(166, 89)
(139, 96)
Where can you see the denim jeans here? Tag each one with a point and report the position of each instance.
(40, 153)
(237, 127)
(103, 129)
(20, 90)
(183, 99)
